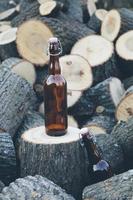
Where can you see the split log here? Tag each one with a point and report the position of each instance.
(100, 54)
(117, 187)
(101, 124)
(77, 72)
(124, 50)
(39, 31)
(21, 67)
(106, 96)
(1, 186)
(33, 188)
(124, 109)
(96, 20)
(116, 23)
(7, 158)
(61, 159)
(111, 151)
(17, 96)
(128, 82)
(7, 44)
(123, 132)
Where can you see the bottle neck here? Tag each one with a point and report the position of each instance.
(93, 154)
(54, 65)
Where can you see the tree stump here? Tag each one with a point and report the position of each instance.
(117, 187)
(60, 159)
(17, 96)
(7, 158)
(34, 188)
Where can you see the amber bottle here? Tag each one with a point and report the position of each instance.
(55, 93)
(99, 169)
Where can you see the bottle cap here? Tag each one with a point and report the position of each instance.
(54, 47)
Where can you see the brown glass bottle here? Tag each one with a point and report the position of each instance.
(55, 93)
(99, 169)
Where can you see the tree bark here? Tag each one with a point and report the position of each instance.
(34, 188)
(123, 134)
(60, 159)
(7, 158)
(17, 96)
(117, 187)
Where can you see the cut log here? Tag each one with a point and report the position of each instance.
(1, 186)
(32, 40)
(106, 96)
(124, 49)
(50, 8)
(111, 151)
(4, 27)
(21, 67)
(116, 23)
(36, 34)
(51, 157)
(17, 96)
(91, 7)
(7, 158)
(100, 54)
(101, 124)
(7, 44)
(128, 82)
(34, 188)
(117, 187)
(9, 14)
(29, 6)
(76, 71)
(81, 106)
(74, 11)
(124, 109)
(8, 36)
(123, 133)
(96, 19)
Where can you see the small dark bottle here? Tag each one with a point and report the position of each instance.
(99, 169)
(55, 93)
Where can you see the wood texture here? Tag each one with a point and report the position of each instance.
(106, 123)
(33, 188)
(111, 151)
(7, 158)
(61, 159)
(117, 187)
(17, 96)
(123, 134)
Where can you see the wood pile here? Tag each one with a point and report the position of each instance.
(97, 63)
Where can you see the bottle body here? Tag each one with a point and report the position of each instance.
(99, 169)
(55, 94)
(55, 105)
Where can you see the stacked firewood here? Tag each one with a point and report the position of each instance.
(97, 64)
